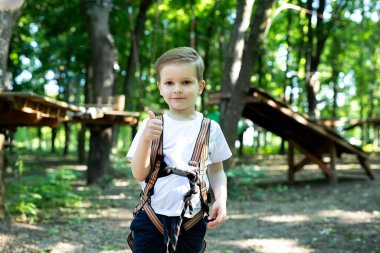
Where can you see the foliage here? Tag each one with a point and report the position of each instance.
(245, 175)
(241, 182)
(31, 194)
(50, 43)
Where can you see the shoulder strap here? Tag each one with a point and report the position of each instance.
(156, 157)
(199, 157)
(203, 134)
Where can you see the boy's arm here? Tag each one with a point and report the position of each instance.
(141, 159)
(218, 181)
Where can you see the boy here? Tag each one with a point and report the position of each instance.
(180, 81)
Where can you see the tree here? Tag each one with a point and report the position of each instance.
(9, 11)
(102, 59)
(234, 94)
(133, 65)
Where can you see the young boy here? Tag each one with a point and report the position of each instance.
(180, 81)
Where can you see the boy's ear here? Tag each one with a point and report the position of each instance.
(202, 85)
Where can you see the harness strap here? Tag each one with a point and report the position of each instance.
(194, 220)
(199, 157)
(202, 170)
(156, 158)
(153, 217)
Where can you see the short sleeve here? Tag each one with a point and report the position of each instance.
(135, 142)
(219, 150)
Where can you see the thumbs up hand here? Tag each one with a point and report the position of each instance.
(153, 128)
(151, 115)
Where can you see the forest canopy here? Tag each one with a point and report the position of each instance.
(319, 57)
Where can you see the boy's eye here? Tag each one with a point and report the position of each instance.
(168, 83)
(187, 82)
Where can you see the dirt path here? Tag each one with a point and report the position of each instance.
(310, 217)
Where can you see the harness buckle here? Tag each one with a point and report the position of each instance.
(191, 175)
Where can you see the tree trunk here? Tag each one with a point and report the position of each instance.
(133, 58)
(232, 104)
(287, 77)
(100, 146)
(258, 142)
(209, 32)
(234, 53)
(83, 129)
(9, 11)
(103, 57)
(233, 62)
(2, 167)
(82, 144)
(313, 56)
(39, 136)
(53, 138)
(193, 22)
(67, 138)
(310, 87)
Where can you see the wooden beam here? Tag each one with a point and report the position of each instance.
(107, 121)
(313, 158)
(319, 151)
(365, 166)
(291, 171)
(332, 154)
(301, 164)
(15, 117)
(19, 118)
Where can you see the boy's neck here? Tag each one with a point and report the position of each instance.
(182, 116)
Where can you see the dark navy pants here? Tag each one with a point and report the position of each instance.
(147, 239)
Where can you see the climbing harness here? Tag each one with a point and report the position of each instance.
(160, 169)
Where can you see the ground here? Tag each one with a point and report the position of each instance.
(310, 217)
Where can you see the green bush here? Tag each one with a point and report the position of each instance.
(29, 195)
(245, 175)
(241, 182)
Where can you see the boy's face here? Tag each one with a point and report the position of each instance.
(180, 87)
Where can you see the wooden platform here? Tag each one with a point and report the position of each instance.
(29, 109)
(319, 144)
(105, 117)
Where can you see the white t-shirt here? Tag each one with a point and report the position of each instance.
(179, 138)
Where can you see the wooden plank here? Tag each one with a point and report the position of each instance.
(47, 110)
(19, 118)
(10, 96)
(304, 120)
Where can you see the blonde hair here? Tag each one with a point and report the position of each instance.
(181, 55)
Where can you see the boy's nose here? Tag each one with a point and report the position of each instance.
(177, 88)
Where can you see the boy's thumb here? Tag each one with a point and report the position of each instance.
(151, 115)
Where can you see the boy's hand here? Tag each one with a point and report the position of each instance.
(218, 214)
(153, 128)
